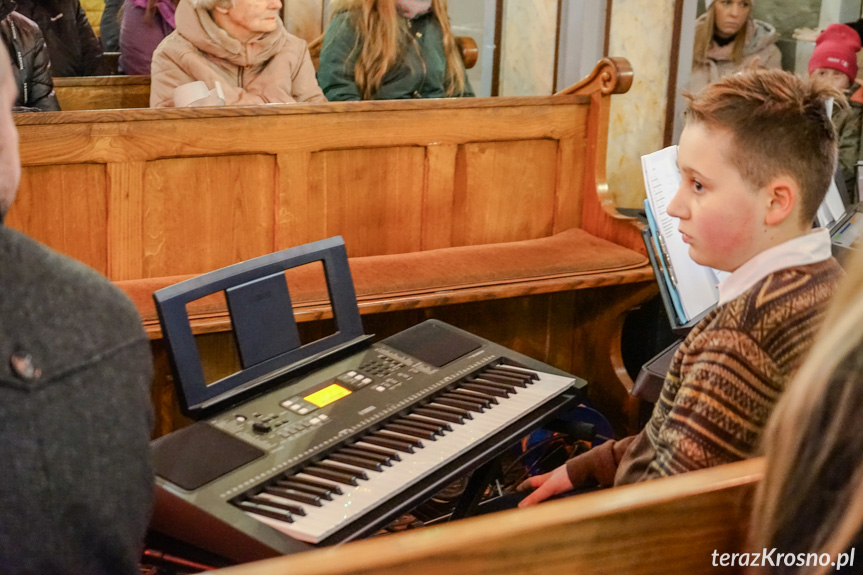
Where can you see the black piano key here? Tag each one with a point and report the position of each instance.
(427, 425)
(503, 386)
(337, 476)
(308, 486)
(263, 500)
(396, 444)
(450, 409)
(412, 431)
(442, 415)
(431, 421)
(355, 472)
(415, 441)
(266, 511)
(520, 370)
(462, 395)
(487, 389)
(387, 455)
(498, 377)
(355, 461)
(295, 495)
(459, 403)
(476, 393)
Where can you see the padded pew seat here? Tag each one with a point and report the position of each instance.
(573, 259)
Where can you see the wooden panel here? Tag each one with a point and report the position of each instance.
(667, 526)
(373, 197)
(526, 170)
(295, 218)
(141, 135)
(125, 220)
(569, 197)
(65, 207)
(202, 214)
(438, 203)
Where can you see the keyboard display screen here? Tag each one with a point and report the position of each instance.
(327, 395)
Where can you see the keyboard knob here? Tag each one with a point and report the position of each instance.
(261, 427)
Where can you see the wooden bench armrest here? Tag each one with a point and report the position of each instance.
(468, 49)
(666, 526)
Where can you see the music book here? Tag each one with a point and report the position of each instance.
(692, 288)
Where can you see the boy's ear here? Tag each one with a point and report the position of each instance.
(783, 194)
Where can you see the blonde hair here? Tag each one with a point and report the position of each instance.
(704, 38)
(380, 41)
(811, 498)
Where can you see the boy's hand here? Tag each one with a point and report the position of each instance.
(545, 486)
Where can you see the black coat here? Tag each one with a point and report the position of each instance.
(30, 64)
(72, 44)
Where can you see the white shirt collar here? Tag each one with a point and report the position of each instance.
(808, 249)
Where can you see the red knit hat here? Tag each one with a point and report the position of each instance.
(836, 48)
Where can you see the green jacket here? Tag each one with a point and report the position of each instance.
(419, 73)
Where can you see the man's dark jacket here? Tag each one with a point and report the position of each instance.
(72, 44)
(75, 417)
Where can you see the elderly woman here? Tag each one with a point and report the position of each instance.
(241, 45)
(391, 49)
(728, 39)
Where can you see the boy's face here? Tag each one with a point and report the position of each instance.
(832, 78)
(721, 216)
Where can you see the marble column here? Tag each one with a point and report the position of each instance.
(641, 32)
(303, 18)
(528, 47)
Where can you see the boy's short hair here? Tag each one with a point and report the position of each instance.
(779, 126)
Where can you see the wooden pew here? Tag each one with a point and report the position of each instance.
(663, 527)
(119, 92)
(488, 213)
(102, 92)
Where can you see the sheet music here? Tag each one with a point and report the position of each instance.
(695, 284)
(832, 208)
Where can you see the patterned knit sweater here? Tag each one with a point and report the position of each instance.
(727, 375)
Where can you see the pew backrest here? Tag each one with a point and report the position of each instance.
(102, 92)
(667, 526)
(119, 92)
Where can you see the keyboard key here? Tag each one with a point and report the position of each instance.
(295, 495)
(266, 511)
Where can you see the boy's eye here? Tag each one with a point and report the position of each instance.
(696, 185)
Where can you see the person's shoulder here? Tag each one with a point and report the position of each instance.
(173, 46)
(28, 31)
(764, 34)
(342, 22)
(55, 283)
(294, 44)
(799, 287)
(22, 22)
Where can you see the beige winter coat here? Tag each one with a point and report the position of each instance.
(274, 67)
(760, 45)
